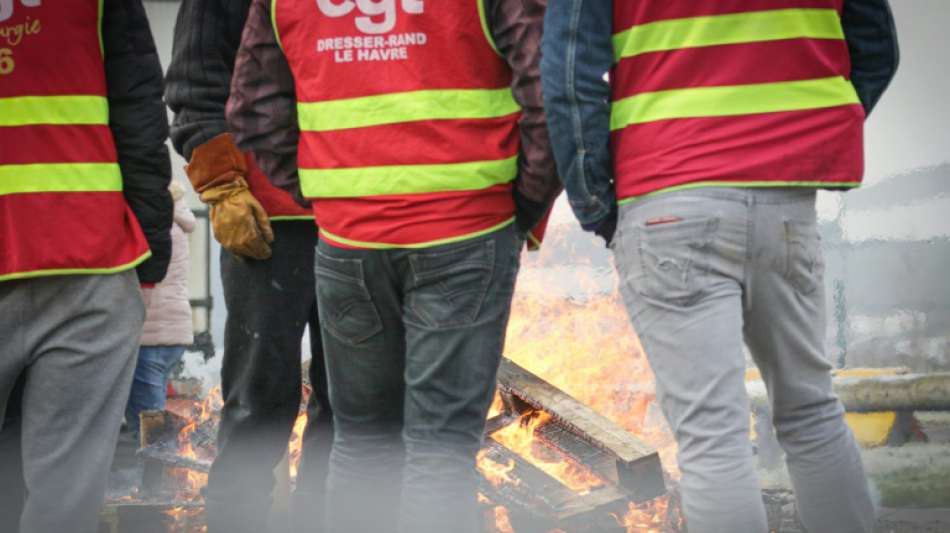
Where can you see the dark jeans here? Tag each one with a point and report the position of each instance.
(413, 339)
(12, 484)
(269, 303)
(151, 381)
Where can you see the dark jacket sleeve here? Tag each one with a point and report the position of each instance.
(872, 41)
(207, 35)
(139, 124)
(516, 26)
(577, 54)
(262, 110)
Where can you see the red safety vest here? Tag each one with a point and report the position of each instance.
(61, 205)
(737, 93)
(409, 131)
(278, 203)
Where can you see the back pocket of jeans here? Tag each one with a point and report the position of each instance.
(450, 285)
(346, 309)
(674, 260)
(805, 265)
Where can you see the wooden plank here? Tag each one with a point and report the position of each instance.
(910, 392)
(170, 458)
(601, 462)
(637, 465)
(596, 428)
(544, 502)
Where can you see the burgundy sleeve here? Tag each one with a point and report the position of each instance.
(262, 109)
(516, 26)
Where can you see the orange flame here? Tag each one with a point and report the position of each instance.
(295, 446)
(520, 439)
(586, 347)
(496, 473)
(502, 522)
(589, 350)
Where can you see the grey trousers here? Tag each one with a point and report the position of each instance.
(701, 272)
(70, 344)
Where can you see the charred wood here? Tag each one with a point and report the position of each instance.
(636, 465)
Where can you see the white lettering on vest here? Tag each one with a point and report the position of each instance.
(6, 7)
(370, 11)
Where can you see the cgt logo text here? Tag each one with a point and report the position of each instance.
(370, 12)
(6, 7)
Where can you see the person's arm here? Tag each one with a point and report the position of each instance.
(139, 125)
(577, 53)
(516, 26)
(872, 42)
(207, 35)
(198, 83)
(262, 110)
(184, 217)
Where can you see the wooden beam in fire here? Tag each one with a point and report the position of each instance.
(583, 434)
(538, 503)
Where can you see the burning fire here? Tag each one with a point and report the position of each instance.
(584, 346)
(654, 517)
(295, 447)
(587, 348)
(502, 522)
(520, 438)
(496, 473)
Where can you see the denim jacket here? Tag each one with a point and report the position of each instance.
(577, 54)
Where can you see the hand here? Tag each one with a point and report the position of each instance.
(608, 227)
(146, 290)
(239, 222)
(528, 213)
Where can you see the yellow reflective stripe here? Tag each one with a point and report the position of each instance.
(387, 246)
(745, 184)
(60, 177)
(483, 18)
(533, 243)
(77, 271)
(273, 21)
(102, 47)
(406, 179)
(757, 26)
(406, 107)
(54, 110)
(291, 218)
(732, 100)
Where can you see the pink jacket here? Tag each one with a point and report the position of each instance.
(168, 314)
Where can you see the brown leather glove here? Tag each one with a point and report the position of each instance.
(240, 224)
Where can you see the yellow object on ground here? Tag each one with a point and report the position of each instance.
(870, 429)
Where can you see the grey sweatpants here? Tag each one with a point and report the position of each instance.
(71, 343)
(701, 272)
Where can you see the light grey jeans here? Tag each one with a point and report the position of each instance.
(70, 342)
(701, 272)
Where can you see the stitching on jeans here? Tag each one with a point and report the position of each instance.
(746, 271)
(491, 267)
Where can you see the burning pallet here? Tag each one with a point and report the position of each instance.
(620, 469)
(151, 516)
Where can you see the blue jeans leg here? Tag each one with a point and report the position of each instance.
(413, 339)
(151, 378)
(456, 312)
